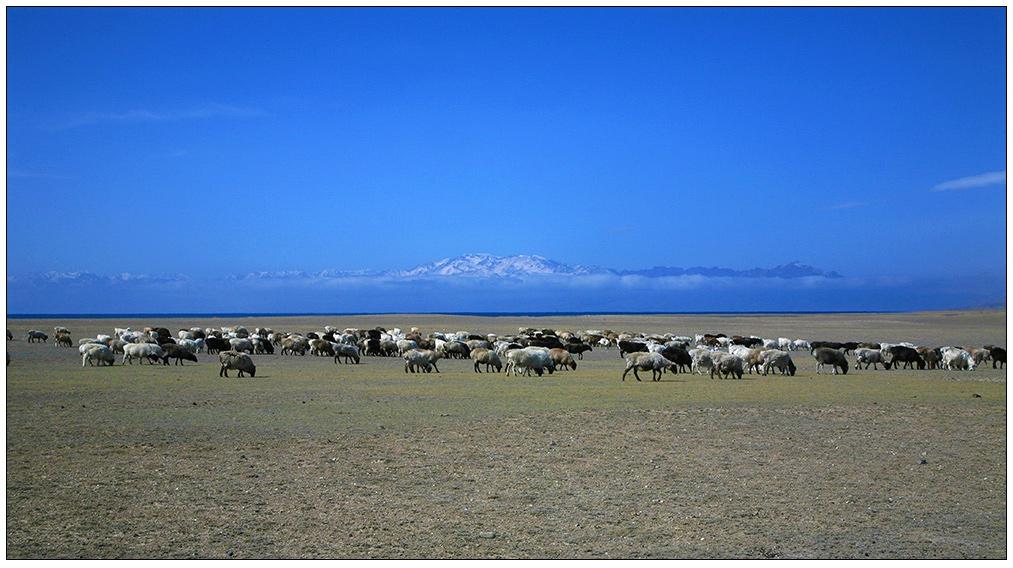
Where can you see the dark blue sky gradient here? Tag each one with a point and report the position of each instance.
(210, 142)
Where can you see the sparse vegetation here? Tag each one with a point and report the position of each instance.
(315, 460)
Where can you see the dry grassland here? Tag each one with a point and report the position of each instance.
(312, 459)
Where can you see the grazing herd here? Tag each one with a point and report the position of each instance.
(529, 352)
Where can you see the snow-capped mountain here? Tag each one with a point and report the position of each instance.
(487, 265)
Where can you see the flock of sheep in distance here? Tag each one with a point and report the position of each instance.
(529, 351)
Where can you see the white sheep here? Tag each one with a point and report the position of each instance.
(100, 354)
(141, 351)
(415, 359)
(406, 345)
(955, 358)
(527, 359)
(701, 359)
(870, 357)
(242, 345)
(346, 352)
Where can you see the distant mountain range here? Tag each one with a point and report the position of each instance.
(521, 265)
(85, 277)
(467, 266)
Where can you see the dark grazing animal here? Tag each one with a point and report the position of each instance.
(177, 352)
(906, 355)
(998, 355)
(627, 347)
(832, 357)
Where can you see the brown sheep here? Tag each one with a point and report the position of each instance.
(562, 358)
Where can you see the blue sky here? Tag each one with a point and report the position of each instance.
(209, 142)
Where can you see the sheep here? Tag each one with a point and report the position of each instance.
(561, 358)
(754, 359)
(117, 346)
(190, 345)
(238, 361)
(415, 359)
(433, 357)
(998, 355)
(62, 340)
(578, 349)
(800, 344)
(262, 345)
(474, 344)
(405, 345)
(627, 347)
(243, 345)
(456, 350)
(955, 358)
(656, 362)
(931, 356)
(388, 348)
(60, 329)
(528, 359)
(907, 355)
(979, 354)
(503, 346)
(833, 357)
(701, 360)
(346, 352)
(295, 344)
(10, 337)
(216, 344)
(141, 351)
(868, 357)
(100, 354)
(321, 348)
(678, 355)
(725, 365)
(776, 358)
(489, 358)
(35, 336)
(178, 353)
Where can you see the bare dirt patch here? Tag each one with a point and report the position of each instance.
(315, 460)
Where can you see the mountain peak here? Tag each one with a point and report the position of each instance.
(487, 265)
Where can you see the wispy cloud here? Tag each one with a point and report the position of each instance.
(848, 205)
(32, 175)
(137, 116)
(983, 180)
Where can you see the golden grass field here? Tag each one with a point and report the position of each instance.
(311, 459)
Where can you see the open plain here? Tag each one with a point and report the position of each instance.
(312, 459)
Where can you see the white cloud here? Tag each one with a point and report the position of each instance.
(142, 115)
(983, 180)
(32, 175)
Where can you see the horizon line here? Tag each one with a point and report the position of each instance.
(216, 315)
